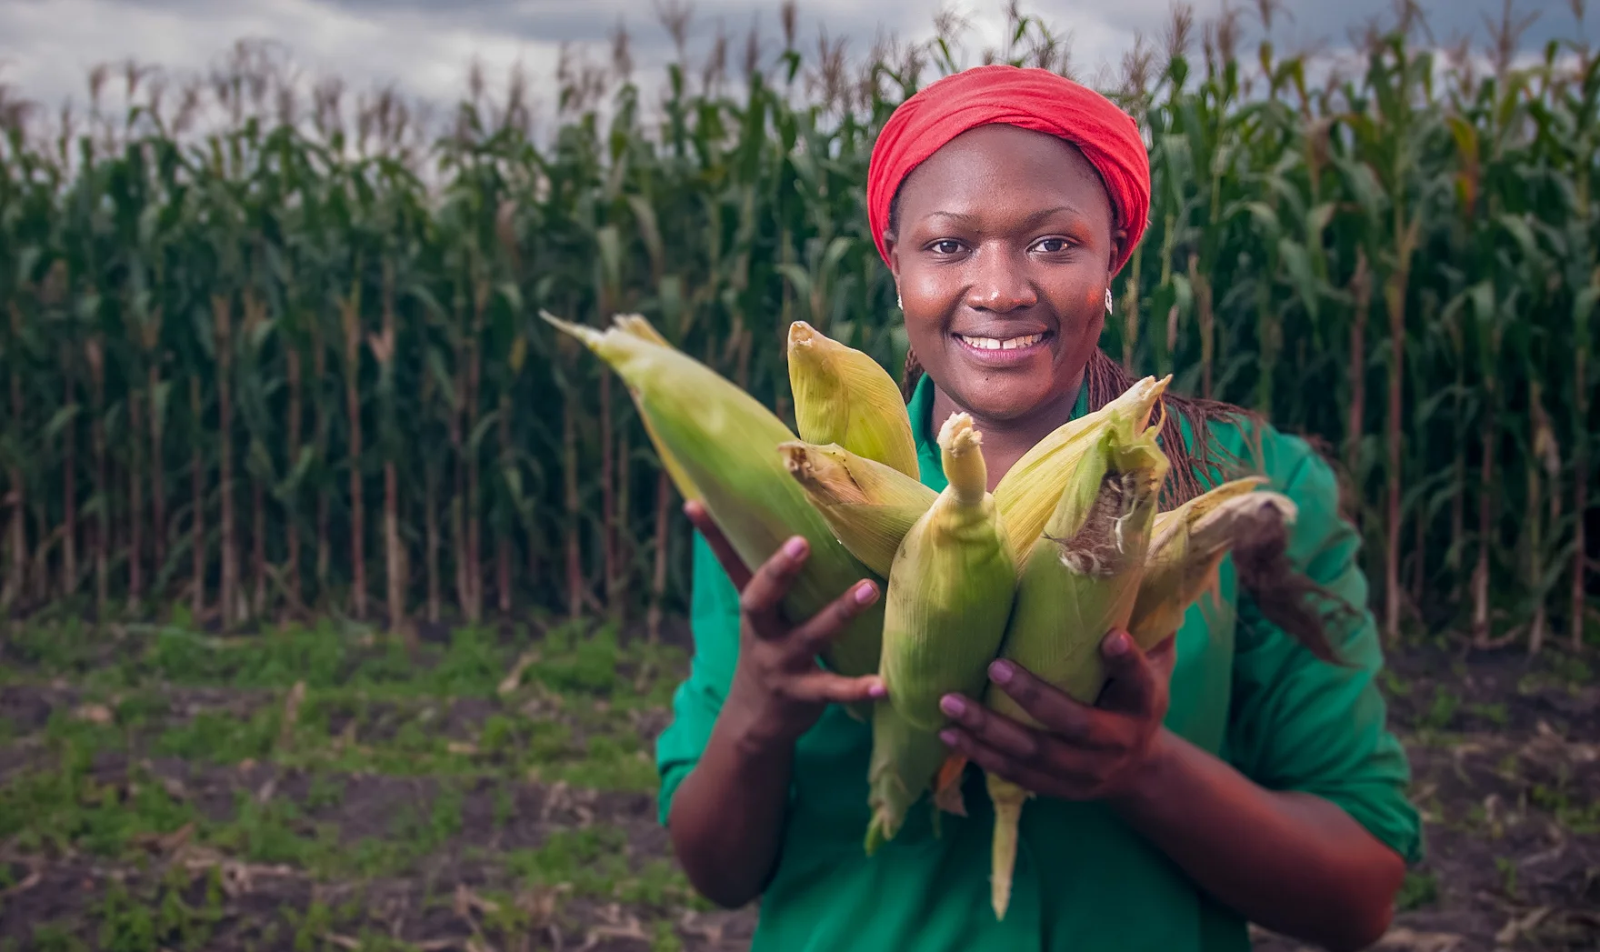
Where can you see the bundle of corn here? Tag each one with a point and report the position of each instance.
(1067, 547)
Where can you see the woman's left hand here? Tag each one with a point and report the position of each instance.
(1081, 752)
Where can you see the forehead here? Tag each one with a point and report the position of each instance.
(994, 159)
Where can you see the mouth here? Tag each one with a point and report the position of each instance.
(1003, 350)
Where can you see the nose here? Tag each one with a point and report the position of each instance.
(999, 281)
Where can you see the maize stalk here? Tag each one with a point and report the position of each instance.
(950, 591)
(843, 396)
(1078, 582)
(869, 505)
(723, 446)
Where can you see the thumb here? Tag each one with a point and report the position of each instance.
(1132, 683)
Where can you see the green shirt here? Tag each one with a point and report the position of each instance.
(1084, 881)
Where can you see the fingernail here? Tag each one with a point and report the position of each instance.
(795, 547)
(1117, 645)
(952, 705)
(1000, 672)
(866, 593)
(949, 737)
(878, 691)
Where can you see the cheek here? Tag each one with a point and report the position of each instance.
(931, 289)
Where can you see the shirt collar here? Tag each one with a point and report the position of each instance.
(929, 465)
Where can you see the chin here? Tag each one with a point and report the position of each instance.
(988, 401)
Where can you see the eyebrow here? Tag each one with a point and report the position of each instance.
(1032, 220)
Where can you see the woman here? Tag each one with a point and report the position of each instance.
(1230, 775)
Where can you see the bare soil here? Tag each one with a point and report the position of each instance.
(159, 815)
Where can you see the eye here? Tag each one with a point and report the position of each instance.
(945, 246)
(1052, 246)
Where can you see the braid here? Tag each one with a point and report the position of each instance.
(1107, 380)
(910, 376)
(1282, 595)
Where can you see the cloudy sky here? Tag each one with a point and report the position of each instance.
(425, 46)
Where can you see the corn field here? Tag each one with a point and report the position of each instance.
(272, 350)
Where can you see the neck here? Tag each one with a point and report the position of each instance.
(1006, 440)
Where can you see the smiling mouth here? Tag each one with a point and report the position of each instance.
(1001, 343)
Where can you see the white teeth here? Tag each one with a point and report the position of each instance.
(1009, 343)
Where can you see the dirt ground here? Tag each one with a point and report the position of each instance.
(315, 790)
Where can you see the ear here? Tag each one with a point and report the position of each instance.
(891, 252)
(1119, 239)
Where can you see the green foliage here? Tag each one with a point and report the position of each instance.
(258, 365)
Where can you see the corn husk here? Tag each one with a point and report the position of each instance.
(1079, 581)
(1188, 546)
(722, 445)
(870, 506)
(950, 592)
(1029, 491)
(844, 397)
(905, 764)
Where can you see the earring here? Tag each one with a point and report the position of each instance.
(898, 301)
(1108, 300)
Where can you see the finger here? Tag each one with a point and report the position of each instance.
(1055, 710)
(992, 760)
(771, 582)
(737, 571)
(1132, 684)
(992, 729)
(826, 687)
(821, 628)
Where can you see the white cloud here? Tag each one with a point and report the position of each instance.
(49, 47)
(426, 46)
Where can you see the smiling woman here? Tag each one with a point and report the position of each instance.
(1233, 773)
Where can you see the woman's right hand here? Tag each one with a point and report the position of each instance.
(779, 690)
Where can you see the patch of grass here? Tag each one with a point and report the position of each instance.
(1443, 709)
(1575, 814)
(1507, 867)
(326, 790)
(1418, 890)
(1393, 684)
(612, 763)
(56, 937)
(505, 805)
(223, 738)
(69, 808)
(1495, 713)
(581, 714)
(596, 862)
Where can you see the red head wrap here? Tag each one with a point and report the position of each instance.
(1031, 99)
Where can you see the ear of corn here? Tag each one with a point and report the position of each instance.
(905, 764)
(640, 327)
(1027, 494)
(1079, 581)
(1188, 546)
(869, 505)
(950, 591)
(724, 447)
(843, 396)
(950, 587)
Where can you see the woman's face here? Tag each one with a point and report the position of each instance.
(1002, 256)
